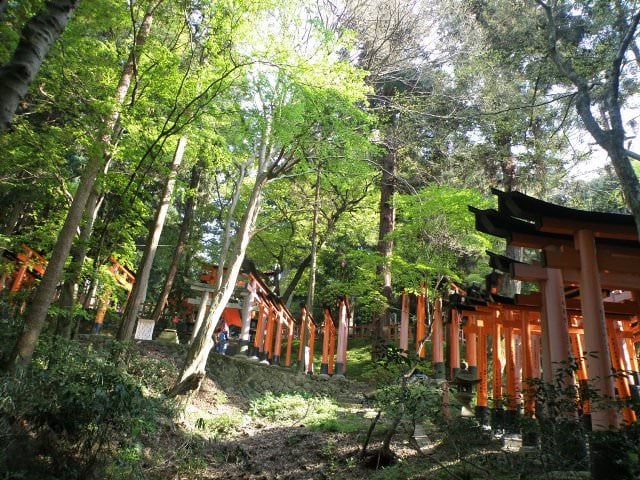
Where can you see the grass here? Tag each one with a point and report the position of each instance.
(293, 407)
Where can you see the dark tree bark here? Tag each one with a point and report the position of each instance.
(610, 134)
(385, 245)
(37, 313)
(38, 36)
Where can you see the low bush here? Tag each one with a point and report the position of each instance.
(72, 406)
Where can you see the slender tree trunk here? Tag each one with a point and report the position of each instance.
(37, 313)
(44, 294)
(312, 277)
(38, 36)
(139, 292)
(385, 245)
(79, 250)
(296, 279)
(611, 134)
(3, 7)
(69, 291)
(193, 371)
(189, 209)
(14, 216)
(314, 243)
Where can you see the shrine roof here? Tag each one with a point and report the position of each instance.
(552, 218)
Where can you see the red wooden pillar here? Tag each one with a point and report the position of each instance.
(290, 326)
(581, 372)
(332, 350)
(327, 341)
(510, 369)
(404, 322)
(617, 362)
(258, 341)
(555, 328)
(105, 298)
(436, 339)
(302, 350)
(631, 360)
(271, 328)
(280, 323)
(312, 344)
(482, 393)
(343, 331)
(527, 363)
(471, 334)
(247, 306)
(496, 335)
(454, 344)
(595, 330)
(421, 327)
(18, 277)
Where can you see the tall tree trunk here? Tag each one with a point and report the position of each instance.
(13, 218)
(37, 313)
(314, 243)
(38, 35)
(185, 227)
(385, 245)
(610, 135)
(296, 279)
(69, 291)
(139, 292)
(193, 371)
(312, 276)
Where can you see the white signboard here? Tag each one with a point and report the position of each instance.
(144, 330)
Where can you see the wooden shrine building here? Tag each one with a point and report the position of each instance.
(584, 313)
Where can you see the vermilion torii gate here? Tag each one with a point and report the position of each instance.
(583, 257)
(274, 324)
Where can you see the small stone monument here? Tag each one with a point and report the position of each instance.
(168, 335)
(465, 381)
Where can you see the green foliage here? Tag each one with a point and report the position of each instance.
(68, 409)
(436, 236)
(407, 396)
(220, 427)
(361, 368)
(615, 455)
(293, 408)
(342, 423)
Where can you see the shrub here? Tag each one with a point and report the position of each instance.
(66, 410)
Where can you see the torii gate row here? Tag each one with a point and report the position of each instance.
(274, 320)
(123, 277)
(31, 265)
(334, 360)
(587, 249)
(523, 351)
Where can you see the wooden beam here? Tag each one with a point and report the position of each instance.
(608, 261)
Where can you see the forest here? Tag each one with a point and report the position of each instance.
(158, 154)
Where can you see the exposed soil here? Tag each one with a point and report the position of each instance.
(260, 449)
